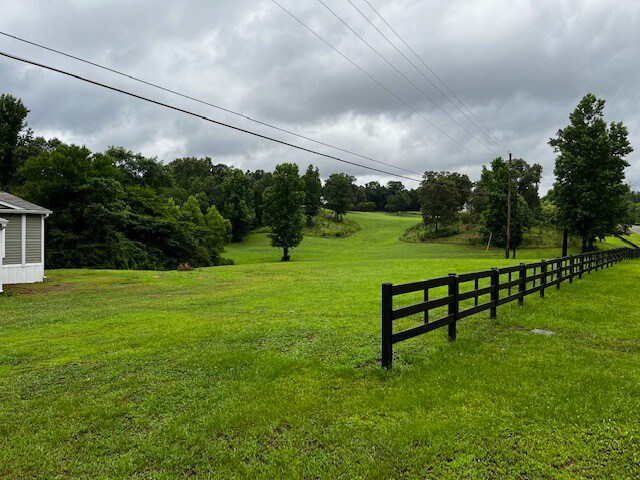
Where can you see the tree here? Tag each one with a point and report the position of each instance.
(589, 188)
(261, 180)
(30, 146)
(398, 202)
(190, 211)
(338, 192)
(106, 219)
(219, 230)
(83, 191)
(188, 170)
(398, 198)
(495, 183)
(138, 170)
(12, 122)
(312, 193)
(394, 187)
(237, 203)
(442, 196)
(376, 193)
(283, 208)
(526, 179)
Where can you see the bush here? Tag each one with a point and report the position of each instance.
(365, 207)
(325, 225)
(420, 233)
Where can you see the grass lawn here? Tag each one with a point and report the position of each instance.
(267, 369)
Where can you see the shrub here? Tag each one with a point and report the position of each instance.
(365, 207)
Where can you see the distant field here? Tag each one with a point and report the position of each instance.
(268, 370)
(378, 240)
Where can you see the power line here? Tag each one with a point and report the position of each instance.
(405, 77)
(419, 70)
(207, 119)
(376, 81)
(202, 117)
(497, 140)
(112, 70)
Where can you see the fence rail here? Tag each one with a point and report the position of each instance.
(467, 294)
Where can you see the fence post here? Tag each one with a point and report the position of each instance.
(572, 263)
(558, 273)
(387, 325)
(522, 286)
(543, 280)
(453, 306)
(495, 280)
(581, 269)
(426, 299)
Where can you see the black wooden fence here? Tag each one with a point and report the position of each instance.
(455, 297)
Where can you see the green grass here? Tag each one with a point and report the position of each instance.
(378, 239)
(268, 370)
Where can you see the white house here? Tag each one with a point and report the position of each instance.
(21, 241)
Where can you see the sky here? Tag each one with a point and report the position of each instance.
(515, 68)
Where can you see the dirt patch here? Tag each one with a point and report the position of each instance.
(36, 288)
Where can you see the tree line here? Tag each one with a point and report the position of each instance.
(119, 209)
(589, 198)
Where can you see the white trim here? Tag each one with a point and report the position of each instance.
(10, 205)
(1, 257)
(19, 265)
(42, 243)
(24, 239)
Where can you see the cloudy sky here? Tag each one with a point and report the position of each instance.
(519, 66)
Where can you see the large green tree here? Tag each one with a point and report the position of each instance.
(338, 193)
(283, 208)
(12, 124)
(442, 196)
(589, 169)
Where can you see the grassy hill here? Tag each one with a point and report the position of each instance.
(268, 369)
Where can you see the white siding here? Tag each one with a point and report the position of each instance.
(1, 256)
(19, 274)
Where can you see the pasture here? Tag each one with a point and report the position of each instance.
(266, 369)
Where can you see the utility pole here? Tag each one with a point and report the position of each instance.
(506, 250)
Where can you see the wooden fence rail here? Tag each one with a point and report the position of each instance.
(467, 294)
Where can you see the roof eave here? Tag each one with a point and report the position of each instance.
(18, 212)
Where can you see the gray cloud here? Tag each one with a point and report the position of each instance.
(520, 66)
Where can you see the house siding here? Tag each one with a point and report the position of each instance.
(13, 239)
(34, 239)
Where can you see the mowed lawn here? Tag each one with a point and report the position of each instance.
(270, 370)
